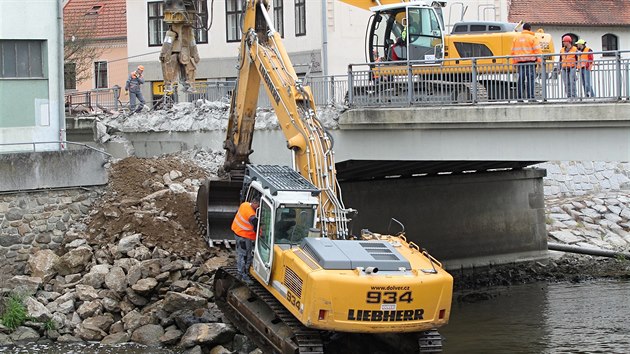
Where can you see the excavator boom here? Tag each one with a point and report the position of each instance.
(312, 277)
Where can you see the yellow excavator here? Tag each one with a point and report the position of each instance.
(317, 286)
(412, 34)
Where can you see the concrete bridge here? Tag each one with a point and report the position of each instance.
(455, 176)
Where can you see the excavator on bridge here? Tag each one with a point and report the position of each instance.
(315, 281)
(412, 33)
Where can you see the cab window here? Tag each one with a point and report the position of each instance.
(264, 231)
(293, 224)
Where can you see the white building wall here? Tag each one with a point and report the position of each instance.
(37, 20)
(218, 57)
(346, 30)
(592, 35)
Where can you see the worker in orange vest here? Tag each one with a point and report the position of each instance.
(585, 66)
(568, 63)
(526, 53)
(244, 228)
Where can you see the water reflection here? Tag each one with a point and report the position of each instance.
(590, 317)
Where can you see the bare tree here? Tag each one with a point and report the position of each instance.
(81, 46)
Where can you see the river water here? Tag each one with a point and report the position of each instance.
(587, 317)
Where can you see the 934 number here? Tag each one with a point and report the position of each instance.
(388, 297)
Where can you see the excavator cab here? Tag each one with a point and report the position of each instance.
(406, 32)
(286, 215)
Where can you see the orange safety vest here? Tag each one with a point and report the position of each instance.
(525, 45)
(241, 225)
(568, 60)
(586, 59)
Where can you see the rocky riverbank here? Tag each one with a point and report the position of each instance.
(136, 270)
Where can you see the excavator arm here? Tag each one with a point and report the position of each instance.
(263, 59)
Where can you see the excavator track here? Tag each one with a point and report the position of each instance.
(273, 328)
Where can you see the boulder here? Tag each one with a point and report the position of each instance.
(116, 280)
(145, 286)
(24, 334)
(96, 277)
(94, 328)
(128, 243)
(116, 338)
(23, 284)
(134, 320)
(86, 293)
(90, 309)
(171, 337)
(219, 349)
(74, 261)
(177, 301)
(37, 310)
(207, 334)
(41, 264)
(148, 335)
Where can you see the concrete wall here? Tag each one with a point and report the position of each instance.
(52, 169)
(39, 111)
(39, 220)
(472, 219)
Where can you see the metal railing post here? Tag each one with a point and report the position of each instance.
(116, 92)
(350, 86)
(409, 84)
(543, 73)
(474, 80)
(331, 99)
(618, 74)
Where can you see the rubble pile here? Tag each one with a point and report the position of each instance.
(136, 271)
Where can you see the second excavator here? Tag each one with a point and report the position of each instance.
(316, 283)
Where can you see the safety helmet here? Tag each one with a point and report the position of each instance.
(140, 67)
(567, 38)
(580, 41)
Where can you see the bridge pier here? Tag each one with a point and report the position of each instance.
(463, 220)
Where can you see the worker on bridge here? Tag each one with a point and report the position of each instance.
(568, 60)
(526, 53)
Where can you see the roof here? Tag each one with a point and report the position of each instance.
(102, 19)
(571, 12)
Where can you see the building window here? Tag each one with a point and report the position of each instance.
(609, 42)
(201, 22)
(157, 26)
(300, 17)
(233, 18)
(100, 74)
(70, 76)
(278, 17)
(21, 59)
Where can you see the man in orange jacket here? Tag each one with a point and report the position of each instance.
(585, 65)
(244, 228)
(568, 64)
(526, 51)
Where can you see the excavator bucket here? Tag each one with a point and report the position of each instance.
(217, 203)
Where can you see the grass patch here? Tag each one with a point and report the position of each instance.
(14, 313)
(50, 325)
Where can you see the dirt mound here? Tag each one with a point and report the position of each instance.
(154, 197)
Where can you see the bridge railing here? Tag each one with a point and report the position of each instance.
(484, 80)
(327, 90)
(89, 101)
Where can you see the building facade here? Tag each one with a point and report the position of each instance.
(31, 75)
(96, 44)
